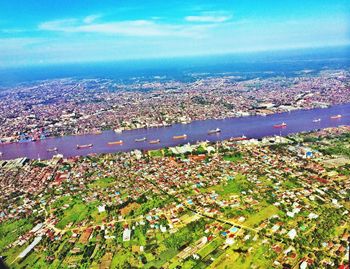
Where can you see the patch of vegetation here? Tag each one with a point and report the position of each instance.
(156, 153)
(74, 214)
(260, 258)
(210, 247)
(11, 230)
(261, 215)
(234, 157)
(193, 231)
(233, 186)
(338, 149)
(39, 164)
(291, 184)
(164, 256)
(103, 183)
(147, 204)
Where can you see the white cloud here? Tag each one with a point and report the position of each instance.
(127, 28)
(57, 25)
(12, 31)
(207, 18)
(91, 18)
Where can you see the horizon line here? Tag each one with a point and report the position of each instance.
(179, 57)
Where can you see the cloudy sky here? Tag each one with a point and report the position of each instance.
(48, 31)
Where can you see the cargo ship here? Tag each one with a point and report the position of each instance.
(316, 120)
(282, 125)
(215, 131)
(84, 146)
(154, 141)
(119, 142)
(140, 139)
(239, 138)
(336, 117)
(51, 149)
(184, 136)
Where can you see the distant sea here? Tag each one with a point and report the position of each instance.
(249, 65)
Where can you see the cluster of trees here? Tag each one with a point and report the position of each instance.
(230, 212)
(193, 231)
(338, 149)
(64, 250)
(147, 205)
(88, 250)
(200, 100)
(326, 227)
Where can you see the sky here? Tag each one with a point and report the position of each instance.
(34, 32)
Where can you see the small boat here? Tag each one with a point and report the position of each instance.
(118, 131)
(154, 141)
(119, 142)
(316, 120)
(140, 139)
(336, 117)
(215, 131)
(239, 138)
(282, 125)
(0, 153)
(52, 149)
(84, 146)
(184, 136)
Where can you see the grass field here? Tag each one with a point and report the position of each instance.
(226, 260)
(11, 230)
(126, 210)
(231, 259)
(162, 258)
(261, 215)
(290, 184)
(156, 153)
(62, 201)
(102, 183)
(76, 213)
(207, 249)
(233, 186)
(98, 217)
(233, 158)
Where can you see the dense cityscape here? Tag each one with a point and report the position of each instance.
(70, 106)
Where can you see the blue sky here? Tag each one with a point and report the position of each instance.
(47, 31)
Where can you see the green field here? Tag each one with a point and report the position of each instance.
(156, 153)
(232, 186)
(11, 230)
(233, 157)
(243, 261)
(207, 249)
(76, 213)
(102, 183)
(261, 215)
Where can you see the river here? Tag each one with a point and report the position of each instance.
(252, 127)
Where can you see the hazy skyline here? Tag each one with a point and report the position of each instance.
(34, 32)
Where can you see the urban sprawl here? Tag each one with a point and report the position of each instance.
(70, 106)
(276, 202)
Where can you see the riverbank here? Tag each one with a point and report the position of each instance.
(251, 127)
